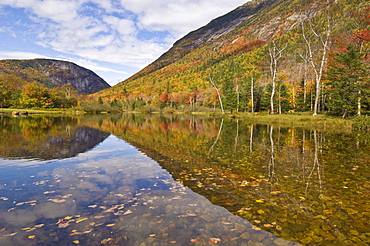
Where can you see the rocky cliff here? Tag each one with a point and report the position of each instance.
(221, 46)
(54, 73)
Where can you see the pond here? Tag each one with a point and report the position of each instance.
(180, 180)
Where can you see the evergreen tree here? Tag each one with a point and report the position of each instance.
(300, 99)
(348, 82)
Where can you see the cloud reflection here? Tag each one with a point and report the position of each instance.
(114, 193)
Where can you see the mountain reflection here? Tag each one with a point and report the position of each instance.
(300, 184)
(112, 195)
(46, 138)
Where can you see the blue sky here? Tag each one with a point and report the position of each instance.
(114, 38)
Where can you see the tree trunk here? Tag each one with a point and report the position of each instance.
(359, 103)
(237, 98)
(275, 55)
(318, 68)
(279, 99)
(272, 96)
(252, 93)
(218, 94)
(273, 70)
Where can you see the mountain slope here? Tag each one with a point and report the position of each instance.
(54, 73)
(204, 35)
(255, 20)
(235, 50)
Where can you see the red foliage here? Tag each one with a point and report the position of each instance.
(163, 97)
(361, 36)
(242, 45)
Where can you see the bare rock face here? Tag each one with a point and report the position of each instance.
(54, 73)
(80, 78)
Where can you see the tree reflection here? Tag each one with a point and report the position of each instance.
(251, 139)
(46, 138)
(217, 138)
(271, 166)
(271, 175)
(315, 166)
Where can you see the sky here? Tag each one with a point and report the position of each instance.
(113, 38)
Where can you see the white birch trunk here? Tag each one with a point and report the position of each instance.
(318, 68)
(218, 94)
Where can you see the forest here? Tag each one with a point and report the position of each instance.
(292, 56)
(18, 93)
(307, 56)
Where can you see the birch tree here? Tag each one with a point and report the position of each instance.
(317, 58)
(275, 55)
(218, 93)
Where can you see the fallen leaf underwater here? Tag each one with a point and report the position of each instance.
(165, 193)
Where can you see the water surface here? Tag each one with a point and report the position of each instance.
(180, 180)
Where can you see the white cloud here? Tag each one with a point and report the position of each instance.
(125, 32)
(178, 17)
(122, 26)
(107, 5)
(19, 55)
(9, 31)
(55, 10)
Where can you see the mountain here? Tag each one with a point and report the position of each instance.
(205, 35)
(54, 73)
(46, 138)
(235, 51)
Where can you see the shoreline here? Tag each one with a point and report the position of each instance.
(302, 119)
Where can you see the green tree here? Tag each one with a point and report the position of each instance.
(302, 102)
(348, 82)
(252, 74)
(36, 95)
(10, 87)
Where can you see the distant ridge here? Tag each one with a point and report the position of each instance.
(54, 73)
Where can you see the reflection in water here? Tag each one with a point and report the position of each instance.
(251, 140)
(272, 159)
(300, 184)
(46, 138)
(315, 166)
(109, 195)
(217, 137)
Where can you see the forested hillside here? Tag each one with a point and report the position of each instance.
(45, 83)
(267, 55)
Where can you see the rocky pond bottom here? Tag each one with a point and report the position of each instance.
(180, 180)
(112, 195)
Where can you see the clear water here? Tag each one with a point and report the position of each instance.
(180, 180)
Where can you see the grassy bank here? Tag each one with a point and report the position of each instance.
(306, 120)
(40, 111)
